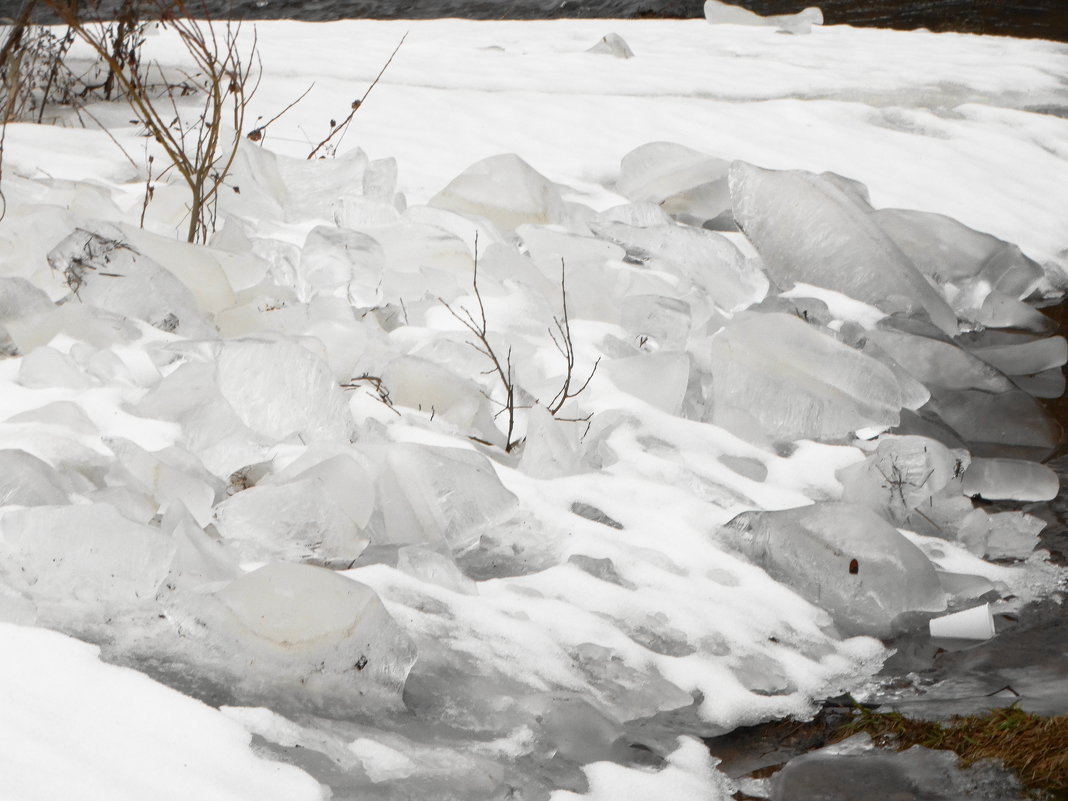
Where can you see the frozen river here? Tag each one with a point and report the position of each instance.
(1045, 19)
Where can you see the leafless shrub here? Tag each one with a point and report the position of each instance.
(200, 144)
(502, 368)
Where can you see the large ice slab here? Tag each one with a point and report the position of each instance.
(936, 362)
(808, 229)
(719, 13)
(1010, 479)
(946, 250)
(795, 381)
(843, 558)
(323, 638)
(86, 555)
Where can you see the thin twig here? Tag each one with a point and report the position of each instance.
(258, 134)
(357, 104)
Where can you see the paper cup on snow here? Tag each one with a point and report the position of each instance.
(971, 624)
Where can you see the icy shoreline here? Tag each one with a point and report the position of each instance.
(678, 553)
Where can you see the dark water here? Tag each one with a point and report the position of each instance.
(1046, 19)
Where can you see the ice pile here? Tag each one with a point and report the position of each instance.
(436, 532)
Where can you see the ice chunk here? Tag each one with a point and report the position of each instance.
(551, 447)
(342, 477)
(918, 773)
(430, 495)
(685, 183)
(657, 320)
(314, 637)
(169, 477)
(641, 215)
(937, 362)
(210, 428)
(1026, 358)
(423, 260)
(1010, 479)
(297, 521)
(949, 251)
(200, 561)
(575, 728)
(279, 388)
(87, 553)
(797, 382)
(422, 384)
(380, 180)
(505, 190)
(843, 558)
(19, 298)
(102, 270)
(1007, 424)
(1047, 384)
(1004, 311)
(343, 262)
(612, 44)
(1013, 535)
(25, 480)
(432, 566)
(901, 474)
(807, 229)
(314, 188)
(719, 13)
(706, 258)
(207, 272)
(46, 367)
(658, 379)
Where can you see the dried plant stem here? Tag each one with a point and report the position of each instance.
(339, 129)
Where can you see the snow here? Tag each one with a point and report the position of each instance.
(77, 728)
(317, 520)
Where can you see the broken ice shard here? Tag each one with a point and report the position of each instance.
(505, 190)
(27, 481)
(297, 521)
(705, 258)
(430, 494)
(612, 44)
(103, 270)
(807, 229)
(336, 261)
(279, 388)
(843, 558)
(797, 382)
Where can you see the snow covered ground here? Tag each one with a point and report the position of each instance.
(698, 542)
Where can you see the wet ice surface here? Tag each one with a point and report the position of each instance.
(279, 480)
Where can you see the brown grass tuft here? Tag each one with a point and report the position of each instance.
(1032, 746)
